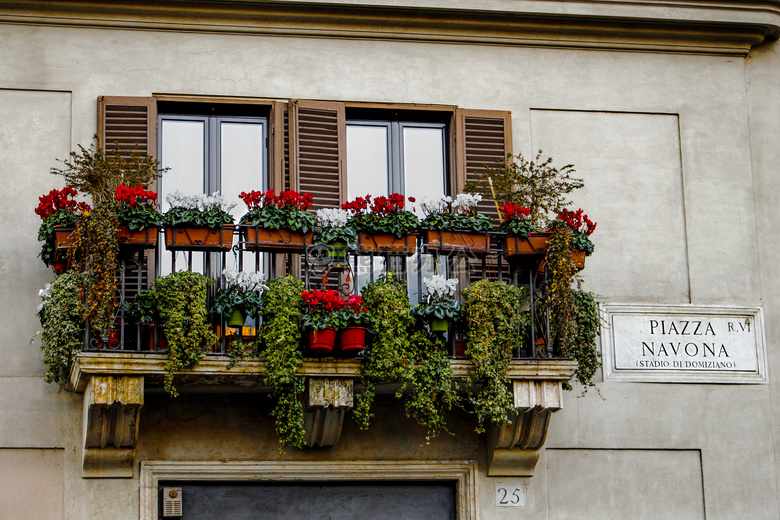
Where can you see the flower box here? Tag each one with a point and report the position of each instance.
(386, 244)
(579, 258)
(63, 237)
(456, 242)
(533, 244)
(276, 240)
(143, 238)
(199, 238)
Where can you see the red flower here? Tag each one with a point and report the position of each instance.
(59, 200)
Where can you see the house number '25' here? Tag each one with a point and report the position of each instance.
(510, 495)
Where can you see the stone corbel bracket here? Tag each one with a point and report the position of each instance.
(327, 400)
(514, 448)
(112, 405)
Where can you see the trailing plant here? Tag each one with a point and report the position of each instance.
(583, 347)
(211, 211)
(581, 228)
(516, 220)
(334, 228)
(383, 215)
(135, 207)
(535, 184)
(94, 252)
(459, 214)
(181, 303)
(559, 273)
(284, 211)
(62, 314)
(56, 209)
(495, 328)
(243, 291)
(99, 172)
(282, 337)
(404, 353)
(441, 302)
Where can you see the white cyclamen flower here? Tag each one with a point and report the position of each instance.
(332, 217)
(467, 201)
(200, 202)
(439, 205)
(247, 281)
(439, 286)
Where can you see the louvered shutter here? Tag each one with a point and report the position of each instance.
(128, 124)
(318, 151)
(483, 137)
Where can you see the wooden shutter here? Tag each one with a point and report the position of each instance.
(318, 151)
(483, 137)
(128, 124)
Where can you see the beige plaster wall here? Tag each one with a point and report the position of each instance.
(663, 141)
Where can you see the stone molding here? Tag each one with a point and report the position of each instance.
(716, 27)
(463, 472)
(327, 400)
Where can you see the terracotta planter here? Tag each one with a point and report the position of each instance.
(276, 240)
(199, 238)
(456, 242)
(379, 244)
(63, 237)
(533, 244)
(321, 341)
(143, 238)
(353, 340)
(579, 258)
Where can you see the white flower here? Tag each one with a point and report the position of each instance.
(466, 201)
(332, 217)
(440, 205)
(440, 286)
(200, 202)
(45, 294)
(246, 281)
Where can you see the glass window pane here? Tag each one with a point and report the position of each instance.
(242, 159)
(367, 160)
(183, 151)
(424, 173)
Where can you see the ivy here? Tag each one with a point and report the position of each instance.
(583, 346)
(494, 330)
(282, 337)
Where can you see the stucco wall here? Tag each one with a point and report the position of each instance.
(678, 156)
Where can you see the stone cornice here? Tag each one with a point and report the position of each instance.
(212, 372)
(712, 27)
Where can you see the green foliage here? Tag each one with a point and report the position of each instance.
(472, 222)
(98, 172)
(559, 272)
(95, 249)
(583, 346)
(138, 217)
(403, 353)
(494, 329)
(282, 337)
(399, 223)
(142, 310)
(517, 226)
(286, 217)
(62, 315)
(213, 218)
(439, 308)
(181, 302)
(581, 241)
(535, 184)
(234, 298)
(333, 235)
(47, 236)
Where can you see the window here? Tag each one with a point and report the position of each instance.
(405, 157)
(206, 154)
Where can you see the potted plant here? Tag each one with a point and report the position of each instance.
(522, 235)
(581, 227)
(278, 223)
(59, 213)
(142, 312)
(383, 225)
(495, 329)
(198, 222)
(138, 216)
(454, 225)
(241, 296)
(440, 306)
(321, 318)
(181, 304)
(281, 339)
(356, 320)
(335, 232)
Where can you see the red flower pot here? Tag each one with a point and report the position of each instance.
(321, 341)
(353, 340)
